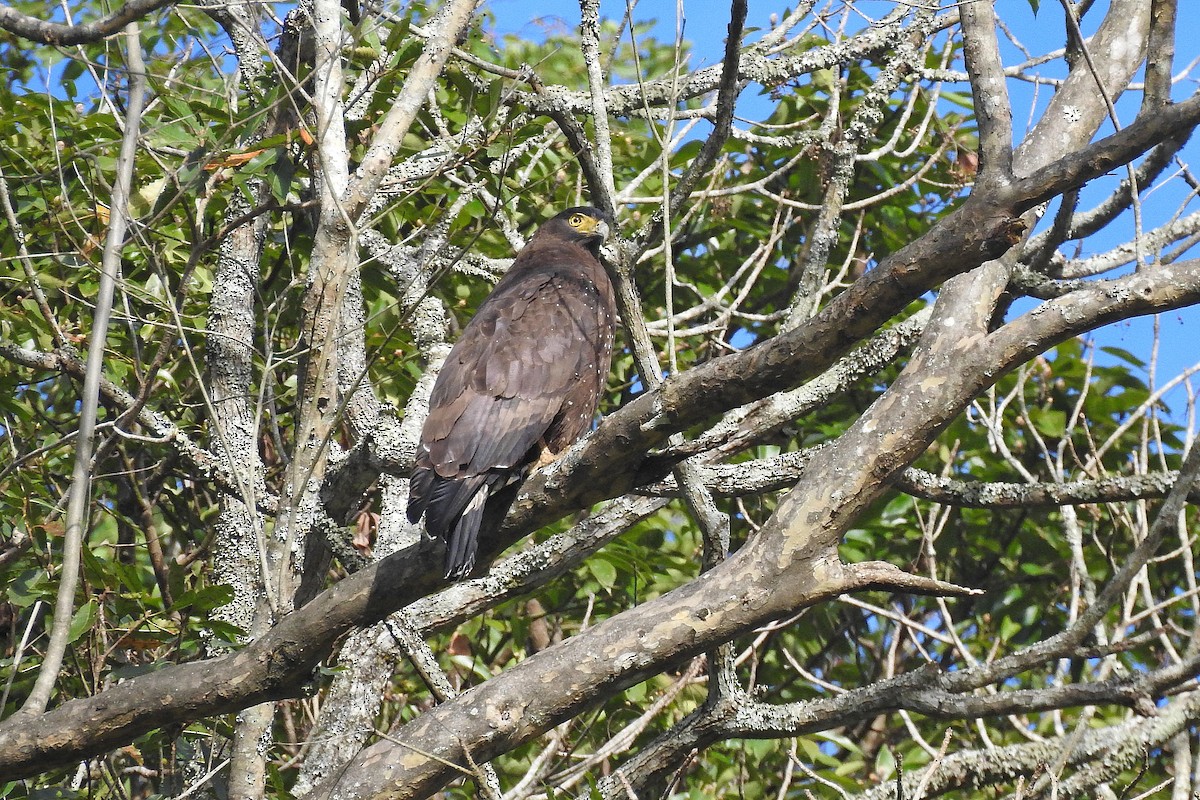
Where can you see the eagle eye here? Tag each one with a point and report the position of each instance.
(576, 220)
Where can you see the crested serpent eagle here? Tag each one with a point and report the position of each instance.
(520, 386)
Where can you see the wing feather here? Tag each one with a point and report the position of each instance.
(511, 386)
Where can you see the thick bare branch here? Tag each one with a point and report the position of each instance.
(602, 660)
(1117, 489)
(992, 108)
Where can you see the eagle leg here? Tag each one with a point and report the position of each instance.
(546, 456)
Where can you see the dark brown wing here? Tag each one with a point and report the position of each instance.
(527, 373)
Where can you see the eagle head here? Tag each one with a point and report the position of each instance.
(583, 225)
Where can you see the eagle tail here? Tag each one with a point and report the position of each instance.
(453, 510)
(464, 540)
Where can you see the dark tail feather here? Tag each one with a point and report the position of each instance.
(447, 501)
(453, 510)
(464, 540)
(419, 486)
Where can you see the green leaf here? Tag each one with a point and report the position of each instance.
(29, 587)
(1049, 421)
(206, 598)
(603, 571)
(399, 34)
(885, 763)
(82, 620)
(1124, 355)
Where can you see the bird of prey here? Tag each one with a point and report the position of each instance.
(520, 386)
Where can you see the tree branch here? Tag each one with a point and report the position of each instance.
(615, 654)
(1113, 747)
(976, 494)
(989, 91)
(792, 554)
(445, 27)
(57, 33)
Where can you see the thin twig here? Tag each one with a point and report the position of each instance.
(80, 492)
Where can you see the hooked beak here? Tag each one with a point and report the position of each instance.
(600, 230)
